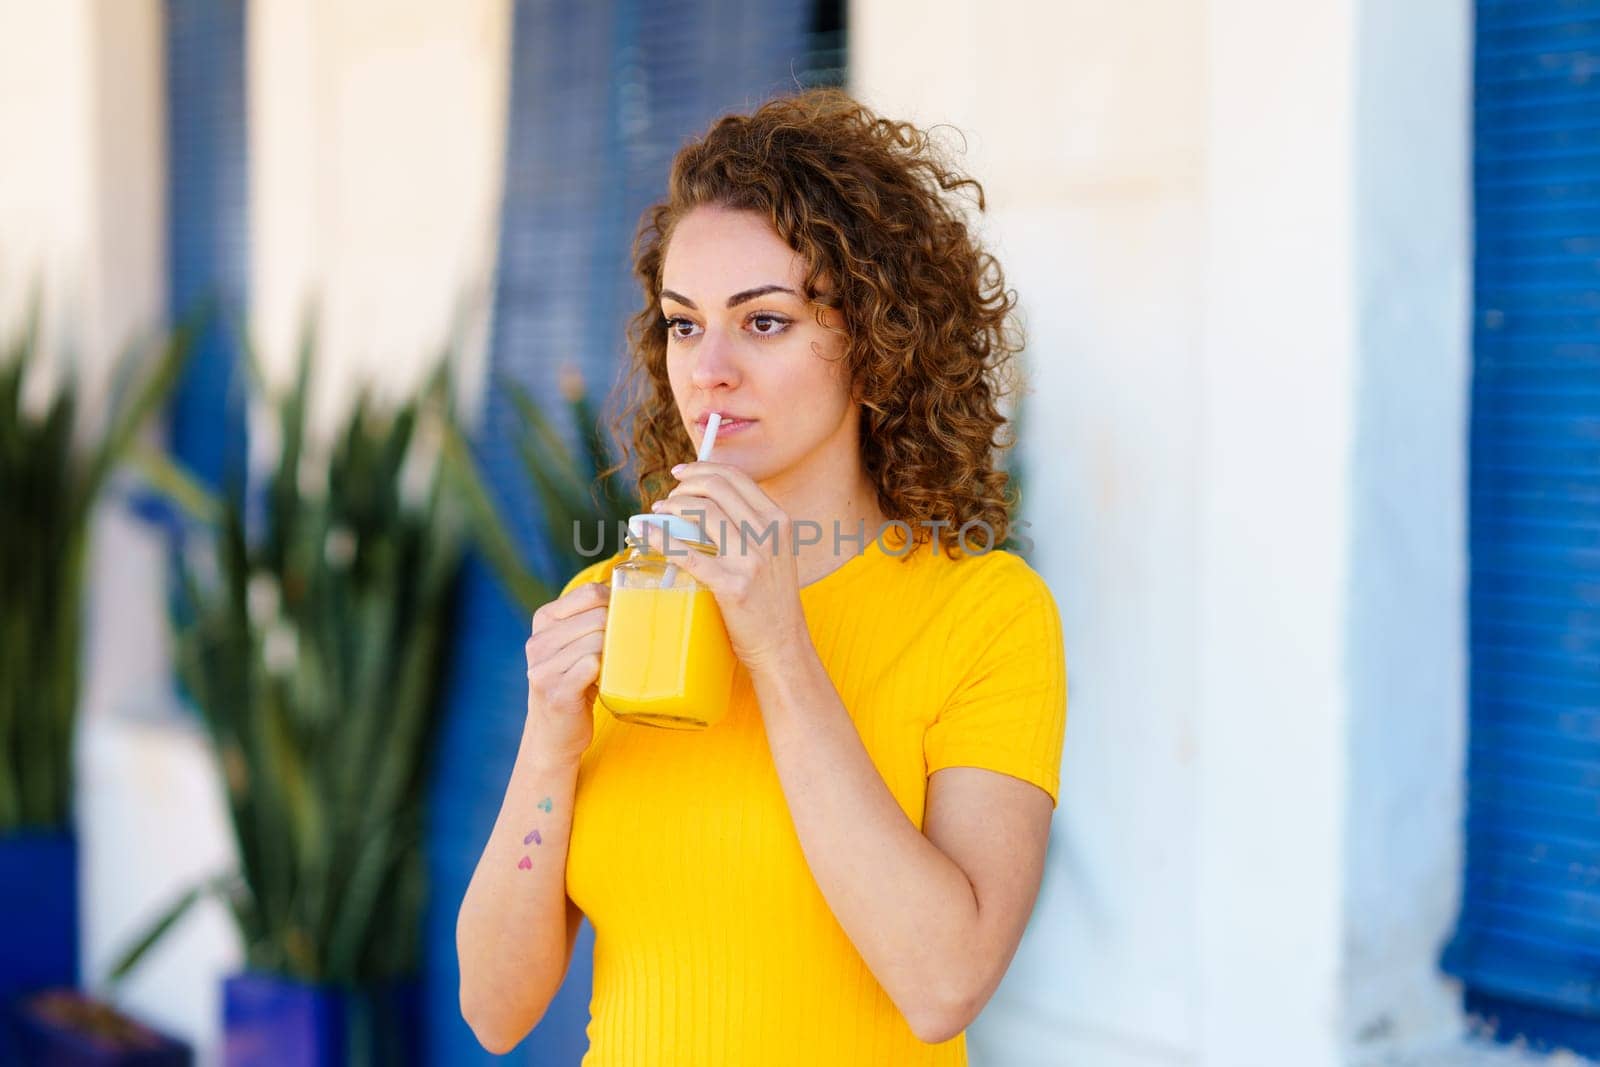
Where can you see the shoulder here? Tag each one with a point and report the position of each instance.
(1002, 705)
(1000, 567)
(599, 571)
(996, 605)
(990, 584)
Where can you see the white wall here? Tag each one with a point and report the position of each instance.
(1085, 122)
(1239, 232)
(81, 208)
(377, 134)
(47, 225)
(1276, 402)
(1407, 623)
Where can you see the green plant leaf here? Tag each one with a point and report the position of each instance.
(175, 482)
(554, 460)
(50, 485)
(218, 885)
(490, 531)
(133, 412)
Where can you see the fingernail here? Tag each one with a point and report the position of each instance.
(656, 506)
(679, 468)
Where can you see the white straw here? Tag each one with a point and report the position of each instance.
(713, 424)
(707, 443)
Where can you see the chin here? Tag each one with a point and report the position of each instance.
(751, 461)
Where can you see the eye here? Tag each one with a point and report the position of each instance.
(679, 328)
(766, 325)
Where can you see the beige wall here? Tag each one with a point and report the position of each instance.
(377, 136)
(81, 195)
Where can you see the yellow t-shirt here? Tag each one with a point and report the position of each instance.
(713, 945)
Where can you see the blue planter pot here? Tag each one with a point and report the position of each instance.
(67, 1029)
(38, 919)
(270, 1021)
(38, 912)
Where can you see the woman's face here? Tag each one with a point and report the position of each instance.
(743, 341)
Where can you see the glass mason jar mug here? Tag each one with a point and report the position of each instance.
(666, 659)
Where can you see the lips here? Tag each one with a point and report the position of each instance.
(729, 422)
(729, 426)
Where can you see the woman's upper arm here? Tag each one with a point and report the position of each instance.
(996, 828)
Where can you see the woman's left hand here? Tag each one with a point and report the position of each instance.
(754, 577)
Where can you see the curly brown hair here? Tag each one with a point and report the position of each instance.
(930, 331)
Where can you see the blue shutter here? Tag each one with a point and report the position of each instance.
(1527, 947)
(207, 249)
(602, 96)
(826, 57)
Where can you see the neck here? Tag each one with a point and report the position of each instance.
(828, 516)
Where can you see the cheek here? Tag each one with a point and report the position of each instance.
(825, 388)
(678, 379)
(834, 373)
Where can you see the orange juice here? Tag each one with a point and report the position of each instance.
(666, 660)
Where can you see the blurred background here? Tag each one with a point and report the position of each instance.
(309, 312)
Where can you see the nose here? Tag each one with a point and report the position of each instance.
(715, 363)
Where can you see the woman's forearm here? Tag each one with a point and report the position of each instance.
(515, 930)
(908, 908)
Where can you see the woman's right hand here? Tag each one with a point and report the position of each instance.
(563, 668)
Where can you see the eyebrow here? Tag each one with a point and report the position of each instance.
(733, 301)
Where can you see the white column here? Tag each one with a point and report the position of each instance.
(46, 188)
(377, 142)
(1407, 617)
(1275, 469)
(81, 196)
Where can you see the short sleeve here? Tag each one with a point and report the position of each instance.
(1008, 709)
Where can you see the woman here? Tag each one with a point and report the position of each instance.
(840, 871)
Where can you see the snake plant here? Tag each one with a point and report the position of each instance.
(50, 481)
(310, 632)
(575, 489)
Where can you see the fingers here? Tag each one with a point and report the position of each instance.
(701, 485)
(737, 491)
(572, 657)
(559, 623)
(728, 494)
(708, 514)
(583, 671)
(688, 560)
(569, 627)
(565, 676)
(548, 637)
(586, 596)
